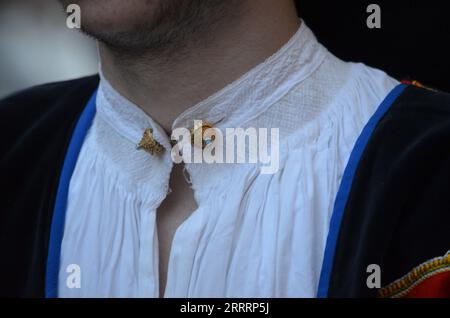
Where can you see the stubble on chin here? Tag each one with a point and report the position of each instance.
(170, 26)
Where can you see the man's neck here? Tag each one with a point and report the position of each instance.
(165, 86)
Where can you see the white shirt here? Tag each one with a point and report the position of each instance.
(253, 234)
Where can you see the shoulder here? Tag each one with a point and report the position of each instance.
(416, 117)
(431, 101)
(42, 97)
(42, 108)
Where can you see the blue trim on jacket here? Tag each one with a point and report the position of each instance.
(346, 185)
(59, 211)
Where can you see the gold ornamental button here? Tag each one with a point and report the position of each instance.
(198, 138)
(149, 144)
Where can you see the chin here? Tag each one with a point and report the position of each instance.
(150, 26)
(105, 16)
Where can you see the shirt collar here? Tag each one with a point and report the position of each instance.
(254, 92)
(230, 107)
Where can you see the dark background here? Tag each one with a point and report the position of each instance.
(413, 42)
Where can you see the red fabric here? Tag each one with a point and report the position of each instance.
(436, 286)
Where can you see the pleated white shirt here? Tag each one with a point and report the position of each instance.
(253, 234)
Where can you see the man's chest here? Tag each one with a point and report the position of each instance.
(175, 209)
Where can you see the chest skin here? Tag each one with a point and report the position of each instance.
(174, 210)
